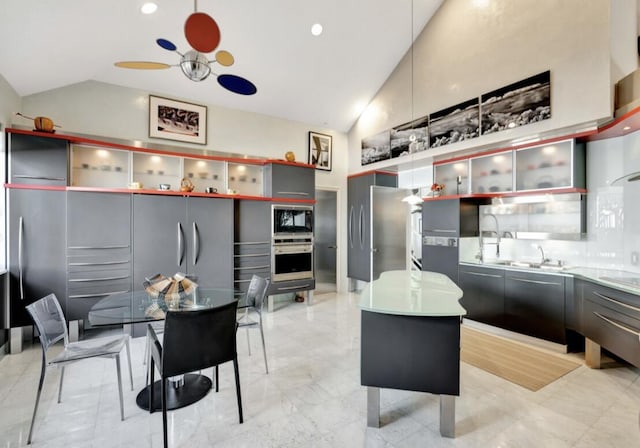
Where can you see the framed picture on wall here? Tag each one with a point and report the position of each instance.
(320, 148)
(177, 120)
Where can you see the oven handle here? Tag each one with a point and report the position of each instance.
(351, 227)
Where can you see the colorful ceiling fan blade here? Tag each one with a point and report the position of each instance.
(142, 65)
(202, 32)
(167, 45)
(224, 58)
(237, 84)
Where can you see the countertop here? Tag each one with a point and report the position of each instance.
(412, 293)
(614, 278)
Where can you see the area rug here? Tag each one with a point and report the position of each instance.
(517, 362)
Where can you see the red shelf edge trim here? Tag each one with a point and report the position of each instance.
(156, 192)
(505, 194)
(366, 173)
(96, 142)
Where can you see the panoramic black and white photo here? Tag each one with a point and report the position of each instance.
(454, 124)
(401, 142)
(376, 148)
(523, 102)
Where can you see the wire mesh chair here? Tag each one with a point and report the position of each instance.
(51, 324)
(252, 306)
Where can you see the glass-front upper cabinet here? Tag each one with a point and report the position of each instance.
(493, 173)
(152, 171)
(556, 165)
(454, 176)
(92, 166)
(205, 174)
(245, 179)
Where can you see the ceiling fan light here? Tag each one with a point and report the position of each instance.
(195, 66)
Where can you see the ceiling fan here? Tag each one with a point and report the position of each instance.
(203, 34)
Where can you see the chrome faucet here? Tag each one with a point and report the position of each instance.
(544, 260)
(497, 243)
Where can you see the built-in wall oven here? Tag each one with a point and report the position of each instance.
(292, 242)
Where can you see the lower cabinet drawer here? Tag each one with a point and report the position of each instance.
(291, 286)
(614, 330)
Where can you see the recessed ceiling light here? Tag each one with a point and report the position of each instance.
(316, 29)
(149, 8)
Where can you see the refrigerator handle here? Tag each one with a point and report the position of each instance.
(20, 247)
(196, 243)
(180, 244)
(351, 227)
(361, 227)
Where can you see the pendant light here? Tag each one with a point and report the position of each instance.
(413, 199)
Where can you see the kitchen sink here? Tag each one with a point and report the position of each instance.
(529, 265)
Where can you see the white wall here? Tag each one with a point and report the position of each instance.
(465, 51)
(112, 111)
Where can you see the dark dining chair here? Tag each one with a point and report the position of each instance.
(193, 340)
(52, 327)
(252, 307)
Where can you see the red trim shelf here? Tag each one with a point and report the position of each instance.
(366, 173)
(623, 125)
(158, 192)
(106, 144)
(506, 194)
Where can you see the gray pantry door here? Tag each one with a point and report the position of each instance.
(325, 247)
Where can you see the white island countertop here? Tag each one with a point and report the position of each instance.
(412, 293)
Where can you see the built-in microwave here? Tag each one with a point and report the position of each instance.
(292, 221)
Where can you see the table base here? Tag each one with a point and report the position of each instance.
(194, 389)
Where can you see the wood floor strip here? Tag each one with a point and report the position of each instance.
(519, 363)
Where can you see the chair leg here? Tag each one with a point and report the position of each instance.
(264, 348)
(35, 408)
(164, 412)
(60, 385)
(235, 367)
(152, 371)
(147, 358)
(120, 387)
(129, 359)
(217, 379)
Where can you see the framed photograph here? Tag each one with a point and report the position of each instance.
(320, 147)
(177, 120)
(455, 124)
(376, 148)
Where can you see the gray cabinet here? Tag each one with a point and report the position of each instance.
(611, 318)
(36, 247)
(290, 181)
(450, 217)
(98, 249)
(252, 242)
(179, 234)
(359, 221)
(534, 304)
(37, 160)
(483, 297)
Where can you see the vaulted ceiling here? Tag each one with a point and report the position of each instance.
(316, 80)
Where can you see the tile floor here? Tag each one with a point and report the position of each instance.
(312, 398)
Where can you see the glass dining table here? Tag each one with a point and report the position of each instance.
(139, 307)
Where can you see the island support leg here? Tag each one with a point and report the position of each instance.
(373, 407)
(448, 416)
(592, 354)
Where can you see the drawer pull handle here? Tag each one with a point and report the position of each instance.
(247, 268)
(286, 288)
(441, 230)
(97, 279)
(616, 324)
(25, 176)
(617, 302)
(126, 246)
(85, 296)
(480, 274)
(538, 282)
(296, 193)
(251, 242)
(102, 263)
(253, 255)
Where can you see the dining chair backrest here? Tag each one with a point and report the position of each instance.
(195, 340)
(49, 319)
(257, 291)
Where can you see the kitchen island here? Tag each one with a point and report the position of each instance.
(410, 340)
